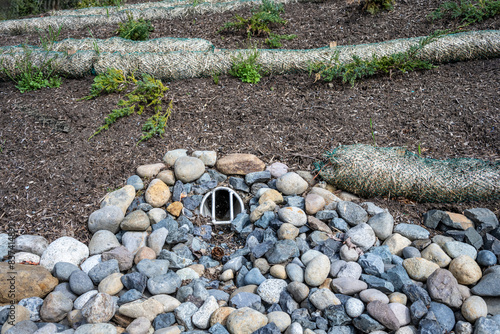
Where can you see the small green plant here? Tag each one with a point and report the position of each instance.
(112, 81)
(468, 11)
(48, 38)
(30, 77)
(259, 23)
(136, 30)
(274, 40)
(248, 70)
(375, 6)
(359, 68)
(196, 3)
(98, 3)
(373, 133)
(149, 92)
(216, 77)
(419, 150)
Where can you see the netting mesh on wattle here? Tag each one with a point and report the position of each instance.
(370, 171)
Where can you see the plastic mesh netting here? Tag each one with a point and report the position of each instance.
(198, 58)
(370, 171)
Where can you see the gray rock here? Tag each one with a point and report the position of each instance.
(64, 249)
(33, 304)
(372, 264)
(106, 218)
(367, 324)
(96, 329)
(255, 177)
(136, 182)
(362, 235)
(486, 326)
(486, 258)
(351, 270)
(323, 298)
(26, 243)
(473, 238)
(295, 201)
(347, 286)
(66, 290)
(294, 272)
(352, 213)
(270, 290)
(102, 241)
(383, 314)
(238, 183)
(80, 282)
(411, 252)
(282, 251)
(414, 293)
(411, 231)
(164, 284)
(397, 276)
(188, 169)
(135, 281)
(382, 224)
(103, 270)
(291, 184)
(326, 215)
(488, 286)
(55, 307)
(444, 315)
(254, 277)
(484, 219)
(63, 270)
(336, 315)
(83, 299)
(134, 240)
(137, 220)
(245, 299)
(183, 314)
(374, 282)
(176, 261)
(152, 268)
(455, 249)
(298, 290)
(22, 327)
(201, 317)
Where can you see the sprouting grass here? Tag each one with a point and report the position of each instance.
(247, 69)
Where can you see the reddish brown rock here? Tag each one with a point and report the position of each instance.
(383, 314)
(239, 164)
(28, 281)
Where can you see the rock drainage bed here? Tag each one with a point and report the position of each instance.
(311, 260)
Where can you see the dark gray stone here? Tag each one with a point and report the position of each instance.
(428, 326)
(238, 184)
(409, 252)
(372, 264)
(265, 220)
(135, 281)
(488, 286)
(287, 303)
(295, 201)
(270, 328)
(254, 276)
(255, 177)
(339, 224)
(192, 202)
(282, 251)
(245, 299)
(326, 215)
(444, 315)
(397, 276)
(432, 218)
(417, 311)
(204, 231)
(336, 315)
(178, 191)
(383, 252)
(352, 213)
(129, 296)
(23, 327)
(219, 294)
(374, 282)
(152, 268)
(486, 326)
(415, 293)
(219, 329)
(484, 219)
(473, 238)
(103, 270)
(239, 222)
(175, 261)
(367, 324)
(163, 320)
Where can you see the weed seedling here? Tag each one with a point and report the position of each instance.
(247, 70)
(216, 77)
(47, 39)
(136, 30)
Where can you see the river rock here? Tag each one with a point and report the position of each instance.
(102, 241)
(465, 270)
(106, 218)
(100, 308)
(270, 290)
(362, 235)
(121, 198)
(397, 243)
(245, 321)
(291, 184)
(474, 308)
(419, 269)
(382, 224)
(157, 193)
(384, 314)
(292, 215)
(55, 307)
(30, 243)
(64, 249)
(317, 270)
(29, 281)
(443, 287)
(150, 171)
(436, 254)
(137, 220)
(239, 164)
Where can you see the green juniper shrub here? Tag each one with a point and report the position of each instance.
(362, 68)
(111, 81)
(31, 77)
(148, 93)
(274, 40)
(247, 70)
(136, 30)
(375, 6)
(468, 11)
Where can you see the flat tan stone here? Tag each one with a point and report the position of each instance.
(460, 219)
(150, 170)
(239, 164)
(175, 208)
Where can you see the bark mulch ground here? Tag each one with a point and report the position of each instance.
(52, 177)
